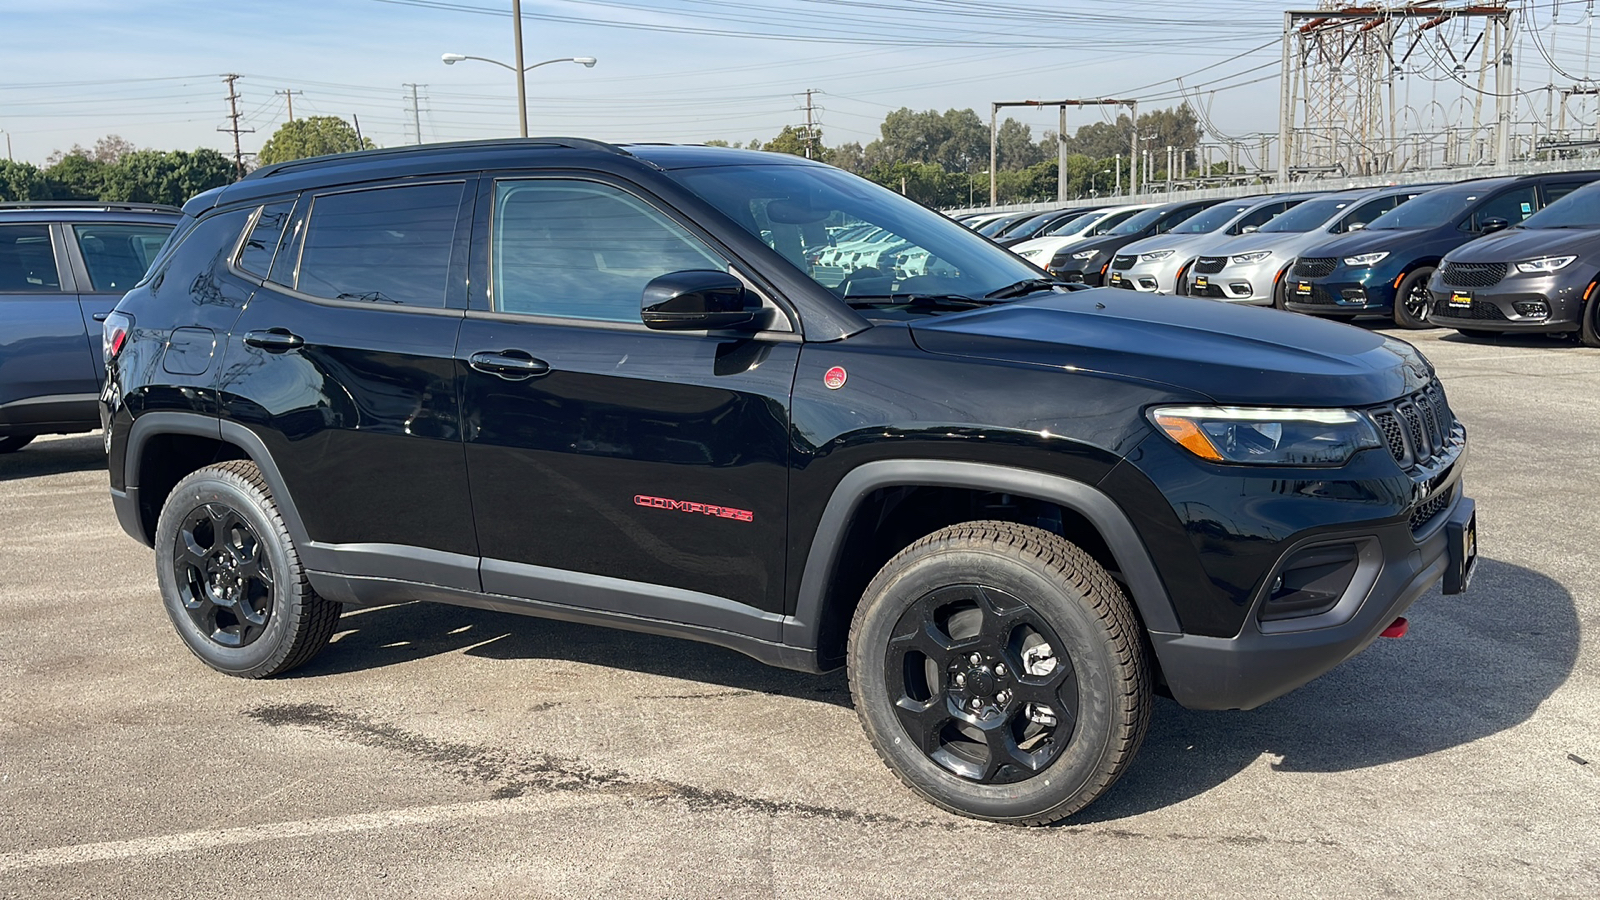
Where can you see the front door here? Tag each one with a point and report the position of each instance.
(615, 467)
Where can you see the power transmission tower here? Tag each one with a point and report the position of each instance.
(416, 110)
(233, 117)
(290, 95)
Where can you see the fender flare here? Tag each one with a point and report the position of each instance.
(1144, 585)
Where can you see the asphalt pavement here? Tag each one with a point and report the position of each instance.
(437, 752)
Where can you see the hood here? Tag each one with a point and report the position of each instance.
(1049, 244)
(1284, 244)
(1520, 244)
(1106, 243)
(1182, 243)
(1230, 354)
(1365, 241)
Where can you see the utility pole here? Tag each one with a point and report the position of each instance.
(360, 141)
(1118, 167)
(811, 133)
(1061, 157)
(290, 95)
(522, 73)
(416, 114)
(233, 116)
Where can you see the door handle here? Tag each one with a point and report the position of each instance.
(101, 317)
(512, 365)
(274, 340)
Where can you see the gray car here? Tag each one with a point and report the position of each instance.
(1251, 271)
(1156, 264)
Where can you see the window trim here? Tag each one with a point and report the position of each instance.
(244, 238)
(488, 184)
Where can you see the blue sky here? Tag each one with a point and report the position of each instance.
(669, 70)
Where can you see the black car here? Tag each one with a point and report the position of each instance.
(1086, 262)
(1540, 276)
(602, 383)
(1032, 228)
(63, 265)
(1384, 269)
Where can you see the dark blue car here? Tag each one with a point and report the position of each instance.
(1384, 268)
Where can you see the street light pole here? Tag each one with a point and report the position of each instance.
(522, 74)
(521, 71)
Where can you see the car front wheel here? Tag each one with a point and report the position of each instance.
(231, 579)
(1000, 672)
(1411, 299)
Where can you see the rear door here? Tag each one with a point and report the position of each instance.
(48, 377)
(107, 260)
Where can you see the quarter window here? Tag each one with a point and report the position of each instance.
(581, 250)
(385, 245)
(118, 255)
(265, 235)
(26, 261)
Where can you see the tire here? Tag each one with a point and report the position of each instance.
(1280, 297)
(1411, 299)
(231, 579)
(1589, 321)
(1180, 285)
(955, 595)
(15, 442)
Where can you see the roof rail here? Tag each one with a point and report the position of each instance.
(571, 143)
(120, 206)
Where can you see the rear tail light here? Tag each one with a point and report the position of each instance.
(114, 335)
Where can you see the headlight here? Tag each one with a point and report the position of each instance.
(1269, 437)
(1257, 256)
(1365, 259)
(1544, 264)
(1154, 255)
(1086, 254)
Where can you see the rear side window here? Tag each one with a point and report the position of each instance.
(384, 245)
(583, 250)
(256, 255)
(1262, 216)
(27, 263)
(1556, 190)
(117, 256)
(1367, 212)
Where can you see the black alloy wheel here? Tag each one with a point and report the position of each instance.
(1411, 299)
(1589, 318)
(224, 580)
(981, 687)
(1000, 672)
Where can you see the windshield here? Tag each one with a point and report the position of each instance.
(1429, 210)
(1308, 216)
(1037, 224)
(1140, 222)
(1579, 209)
(1211, 219)
(1076, 225)
(792, 207)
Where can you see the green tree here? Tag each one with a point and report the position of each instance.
(1014, 146)
(154, 176)
(24, 181)
(77, 177)
(313, 136)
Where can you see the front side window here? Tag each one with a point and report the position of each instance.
(582, 250)
(1512, 206)
(256, 255)
(386, 245)
(117, 256)
(1211, 219)
(27, 263)
(1261, 216)
(1428, 210)
(1575, 210)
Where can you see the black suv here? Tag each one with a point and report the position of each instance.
(600, 383)
(1086, 262)
(63, 265)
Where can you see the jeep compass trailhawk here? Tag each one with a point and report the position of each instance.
(604, 384)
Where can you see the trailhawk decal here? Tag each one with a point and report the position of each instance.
(689, 506)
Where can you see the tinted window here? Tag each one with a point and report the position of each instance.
(118, 255)
(1259, 217)
(1137, 222)
(1212, 219)
(1367, 213)
(256, 256)
(26, 261)
(1556, 190)
(1512, 206)
(1576, 210)
(582, 250)
(388, 245)
(1307, 216)
(1429, 210)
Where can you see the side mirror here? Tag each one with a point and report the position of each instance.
(699, 299)
(1356, 226)
(1491, 225)
(1250, 229)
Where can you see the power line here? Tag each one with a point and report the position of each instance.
(233, 116)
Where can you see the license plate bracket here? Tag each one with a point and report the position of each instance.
(1461, 539)
(1302, 287)
(1201, 282)
(1460, 299)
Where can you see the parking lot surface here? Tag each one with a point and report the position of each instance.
(440, 752)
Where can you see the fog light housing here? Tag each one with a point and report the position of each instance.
(1533, 309)
(1242, 288)
(1311, 582)
(1353, 295)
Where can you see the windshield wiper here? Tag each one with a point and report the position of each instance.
(950, 301)
(1026, 286)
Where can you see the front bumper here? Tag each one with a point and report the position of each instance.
(1245, 283)
(1345, 292)
(1149, 278)
(1544, 303)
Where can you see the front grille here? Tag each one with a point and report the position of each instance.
(1480, 310)
(1123, 262)
(1210, 265)
(1316, 266)
(1478, 275)
(1417, 429)
(1430, 510)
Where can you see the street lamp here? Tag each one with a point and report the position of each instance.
(587, 62)
(1092, 177)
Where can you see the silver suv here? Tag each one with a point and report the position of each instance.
(1252, 269)
(1156, 264)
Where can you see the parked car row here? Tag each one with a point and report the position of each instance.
(1483, 256)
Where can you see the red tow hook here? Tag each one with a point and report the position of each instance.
(1397, 629)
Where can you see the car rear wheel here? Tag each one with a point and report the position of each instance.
(1411, 299)
(1000, 672)
(15, 442)
(231, 578)
(1589, 324)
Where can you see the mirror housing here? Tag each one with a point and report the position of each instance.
(700, 299)
(1250, 229)
(1491, 225)
(1356, 226)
